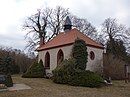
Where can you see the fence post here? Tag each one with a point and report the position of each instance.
(125, 71)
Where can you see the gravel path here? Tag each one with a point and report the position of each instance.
(16, 87)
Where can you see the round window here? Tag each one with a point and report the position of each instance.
(92, 55)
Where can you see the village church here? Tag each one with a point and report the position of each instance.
(59, 48)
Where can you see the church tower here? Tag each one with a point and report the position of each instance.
(68, 24)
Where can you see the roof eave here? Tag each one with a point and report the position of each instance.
(42, 49)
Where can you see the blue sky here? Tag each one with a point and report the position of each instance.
(14, 12)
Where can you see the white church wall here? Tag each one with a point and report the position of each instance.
(53, 56)
(96, 64)
(93, 65)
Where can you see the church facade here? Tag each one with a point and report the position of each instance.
(60, 47)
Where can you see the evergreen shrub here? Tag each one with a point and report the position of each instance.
(64, 71)
(37, 70)
(8, 81)
(79, 52)
(86, 79)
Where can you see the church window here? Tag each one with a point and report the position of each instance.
(47, 60)
(92, 55)
(60, 56)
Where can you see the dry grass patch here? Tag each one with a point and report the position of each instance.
(46, 88)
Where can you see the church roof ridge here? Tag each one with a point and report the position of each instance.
(68, 38)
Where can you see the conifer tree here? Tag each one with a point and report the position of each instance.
(79, 52)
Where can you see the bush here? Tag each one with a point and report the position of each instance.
(8, 82)
(36, 70)
(87, 79)
(79, 52)
(64, 71)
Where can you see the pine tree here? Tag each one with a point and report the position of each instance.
(117, 48)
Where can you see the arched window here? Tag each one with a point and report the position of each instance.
(60, 56)
(92, 55)
(47, 60)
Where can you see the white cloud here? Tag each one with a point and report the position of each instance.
(13, 13)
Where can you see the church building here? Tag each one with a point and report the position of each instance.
(60, 47)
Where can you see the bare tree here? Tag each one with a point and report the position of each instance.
(37, 25)
(47, 23)
(84, 26)
(56, 20)
(127, 40)
(112, 31)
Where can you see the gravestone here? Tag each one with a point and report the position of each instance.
(2, 79)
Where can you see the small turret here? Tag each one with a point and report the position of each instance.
(68, 24)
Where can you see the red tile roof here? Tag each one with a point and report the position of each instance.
(68, 38)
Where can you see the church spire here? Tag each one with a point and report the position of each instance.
(68, 24)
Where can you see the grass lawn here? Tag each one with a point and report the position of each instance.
(46, 88)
